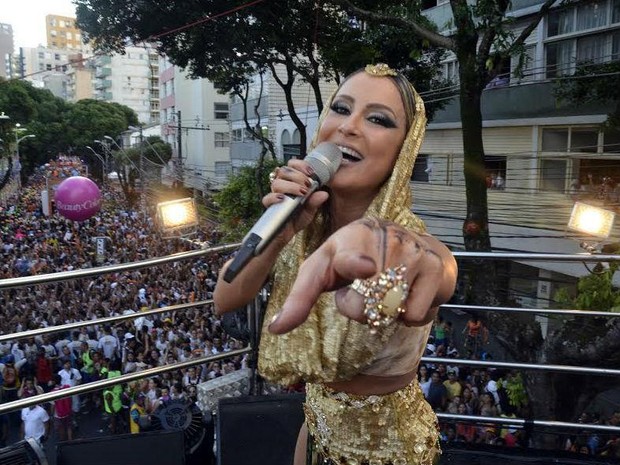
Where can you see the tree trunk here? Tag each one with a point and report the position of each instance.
(476, 226)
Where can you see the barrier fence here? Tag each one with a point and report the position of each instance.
(6, 284)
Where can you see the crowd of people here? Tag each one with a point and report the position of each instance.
(491, 392)
(31, 244)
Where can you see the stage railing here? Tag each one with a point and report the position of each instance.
(102, 384)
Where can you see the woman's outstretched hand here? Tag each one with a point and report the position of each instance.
(364, 249)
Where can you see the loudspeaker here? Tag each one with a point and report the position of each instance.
(258, 429)
(165, 447)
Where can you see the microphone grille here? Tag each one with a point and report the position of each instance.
(325, 160)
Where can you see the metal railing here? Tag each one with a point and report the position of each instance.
(102, 384)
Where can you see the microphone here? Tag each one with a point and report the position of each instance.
(324, 160)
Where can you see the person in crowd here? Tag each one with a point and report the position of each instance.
(61, 412)
(138, 417)
(71, 377)
(359, 238)
(35, 423)
(453, 385)
(30, 387)
(437, 393)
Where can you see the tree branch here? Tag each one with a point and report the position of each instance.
(544, 9)
(422, 32)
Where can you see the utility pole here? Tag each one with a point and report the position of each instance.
(179, 150)
(142, 175)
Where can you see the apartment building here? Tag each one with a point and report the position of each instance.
(6, 50)
(46, 68)
(195, 121)
(131, 79)
(62, 33)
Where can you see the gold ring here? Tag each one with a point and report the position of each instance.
(383, 297)
(272, 176)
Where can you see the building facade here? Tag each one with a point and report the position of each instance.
(542, 153)
(131, 79)
(62, 33)
(7, 47)
(195, 121)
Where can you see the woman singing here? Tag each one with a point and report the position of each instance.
(356, 283)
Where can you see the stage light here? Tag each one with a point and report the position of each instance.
(593, 221)
(178, 216)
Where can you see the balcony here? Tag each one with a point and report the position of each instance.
(103, 72)
(103, 84)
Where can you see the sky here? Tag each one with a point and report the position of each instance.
(28, 18)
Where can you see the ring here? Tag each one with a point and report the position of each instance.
(383, 297)
(272, 176)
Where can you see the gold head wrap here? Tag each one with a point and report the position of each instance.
(329, 346)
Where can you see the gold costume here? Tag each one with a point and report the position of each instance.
(378, 430)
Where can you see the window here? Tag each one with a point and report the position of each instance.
(555, 140)
(574, 140)
(222, 168)
(222, 139)
(591, 15)
(450, 71)
(560, 22)
(593, 49)
(553, 175)
(611, 142)
(420, 168)
(220, 110)
(563, 55)
(57, 56)
(559, 58)
(495, 166)
(584, 140)
(236, 135)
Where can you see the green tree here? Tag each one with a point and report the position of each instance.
(598, 82)
(39, 113)
(237, 204)
(90, 119)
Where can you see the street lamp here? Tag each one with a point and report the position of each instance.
(124, 153)
(102, 160)
(17, 141)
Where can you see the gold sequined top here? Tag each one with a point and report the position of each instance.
(328, 346)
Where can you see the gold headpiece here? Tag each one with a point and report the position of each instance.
(380, 69)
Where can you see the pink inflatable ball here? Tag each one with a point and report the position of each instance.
(77, 198)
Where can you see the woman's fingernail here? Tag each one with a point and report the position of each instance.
(309, 171)
(303, 190)
(280, 196)
(273, 320)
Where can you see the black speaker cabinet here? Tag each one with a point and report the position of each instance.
(257, 430)
(157, 447)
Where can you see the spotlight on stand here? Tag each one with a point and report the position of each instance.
(178, 218)
(593, 225)
(593, 222)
